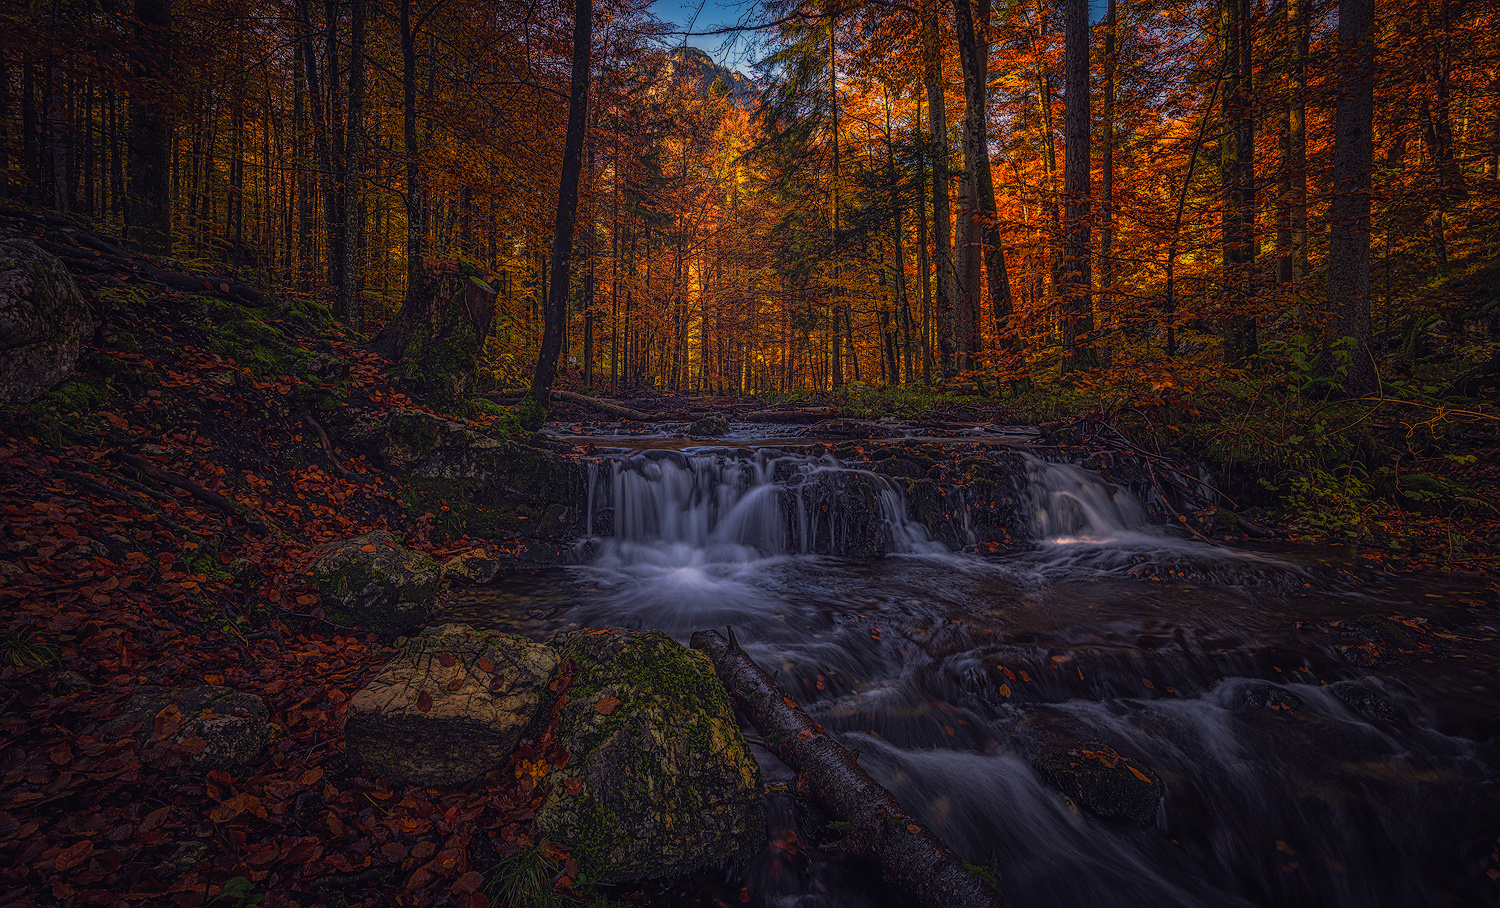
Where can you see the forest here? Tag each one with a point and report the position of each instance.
(963, 453)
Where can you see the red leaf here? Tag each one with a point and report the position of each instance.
(424, 701)
(446, 660)
(73, 856)
(486, 664)
(606, 706)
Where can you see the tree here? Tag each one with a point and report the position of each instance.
(1349, 215)
(1237, 176)
(567, 214)
(1076, 280)
(149, 214)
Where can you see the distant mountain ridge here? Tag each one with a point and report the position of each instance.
(694, 67)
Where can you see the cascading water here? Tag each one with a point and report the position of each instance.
(1294, 773)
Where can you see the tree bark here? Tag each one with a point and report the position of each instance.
(416, 206)
(909, 856)
(149, 212)
(1107, 167)
(1077, 280)
(348, 288)
(1349, 215)
(567, 213)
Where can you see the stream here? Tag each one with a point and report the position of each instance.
(1325, 736)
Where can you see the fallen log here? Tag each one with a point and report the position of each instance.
(910, 857)
(602, 406)
(815, 414)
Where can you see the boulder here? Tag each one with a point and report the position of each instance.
(220, 727)
(374, 583)
(474, 568)
(711, 426)
(43, 321)
(659, 780)
(492, 487)
(1103, 782)
(450, 706)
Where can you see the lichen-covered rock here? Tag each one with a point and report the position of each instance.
(474, 567)
(659, 780)
(219, 727)
(1103, 782)
(374, 583)
(449, 707)
(43, 320)
(491, 487)
(711, 426)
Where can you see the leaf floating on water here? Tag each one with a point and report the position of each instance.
(789, 702)
(1005, 690)
(606, 706)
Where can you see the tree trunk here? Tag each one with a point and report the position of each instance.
(567, 213)
(973, 21)
(1107, 169)
(1349, 215)
(149, 213)
(1291, 215)
(416, 206)
(1237, 176)
(1077, 281)
(348, 288)
(942, 222)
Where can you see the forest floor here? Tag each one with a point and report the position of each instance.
(160, 513)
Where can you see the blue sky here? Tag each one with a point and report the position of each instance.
(710, 14)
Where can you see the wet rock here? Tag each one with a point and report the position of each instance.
(374, 583)
(1103, 782)
(1268, 696)
(659, 780)
(473, 568)
(1364, 699)
(219, 727)
(449, 707)
(711, 426)
(43, 321)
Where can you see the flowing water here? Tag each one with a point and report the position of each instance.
(1310, 756)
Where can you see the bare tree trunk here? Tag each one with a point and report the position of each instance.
(947, 283)
(1107, 168)
(1237, 172)
(416, 205)
(973, 20)
(149, 213)
(1349, 216)
(348, 288)
(1291, 226)
(567, 214)
(1077, 282)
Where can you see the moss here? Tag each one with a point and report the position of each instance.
(83, 393)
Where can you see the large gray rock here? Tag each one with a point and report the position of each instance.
(43, 320)
(450, 706)
(1103, 782)
(659, 780)
(374, 583)
(219, 727)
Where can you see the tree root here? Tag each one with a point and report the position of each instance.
(225, 505)
(328, 448)
(910, 858)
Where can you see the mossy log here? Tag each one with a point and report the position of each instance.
(910, 857)
(602, 406)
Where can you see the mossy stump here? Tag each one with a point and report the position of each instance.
(435, 340)
(373, 583)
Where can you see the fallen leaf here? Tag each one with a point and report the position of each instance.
(913, 828)
(469, 882)
(368, 547)
(424, 701)
(486, 664)
(446, 660)
(606, 706)
(74, 855)
(1138, 774)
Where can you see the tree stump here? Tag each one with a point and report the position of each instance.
(435, 339)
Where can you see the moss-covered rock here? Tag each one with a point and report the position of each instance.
(473, 568)
(1103, 782)
(711, 426)
(374, 583)
(43, 320)
(472, 482)
(219, 727)
(659, 780)
(450, 706)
